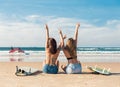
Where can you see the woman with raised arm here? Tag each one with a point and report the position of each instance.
(51, 64)
(70, 51)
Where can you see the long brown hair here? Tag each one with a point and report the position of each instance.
(71, 47)
(52, 45)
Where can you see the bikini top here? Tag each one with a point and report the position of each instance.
(75, 57)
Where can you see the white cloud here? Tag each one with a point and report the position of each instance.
(29, 31)
(107, 35)
(20, 33)
(89, 33)
(113, 22)
(38, 18)
(65, 24)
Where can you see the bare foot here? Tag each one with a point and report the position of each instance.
(63, 67)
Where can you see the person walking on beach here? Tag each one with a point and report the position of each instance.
(70, 51)
(51, 64)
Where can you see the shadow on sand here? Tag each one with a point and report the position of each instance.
(83, 73)
(36, 73)
(101, 74)
(115, 74)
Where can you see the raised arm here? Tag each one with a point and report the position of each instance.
(76, 32)
(61, 39)
(47, 35)
(62, 45)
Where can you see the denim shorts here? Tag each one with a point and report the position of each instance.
(51, 69)
(74, 68)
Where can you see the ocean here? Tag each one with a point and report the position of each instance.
(85, 54)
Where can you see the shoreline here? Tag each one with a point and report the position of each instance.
(86, 79)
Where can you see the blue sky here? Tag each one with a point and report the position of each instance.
(22, 21)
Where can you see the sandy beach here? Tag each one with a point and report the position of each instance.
(86, 79)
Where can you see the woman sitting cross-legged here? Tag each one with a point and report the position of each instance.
(51, 64)
(70, 51)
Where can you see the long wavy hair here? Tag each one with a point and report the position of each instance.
(52, 45)
(71, 47)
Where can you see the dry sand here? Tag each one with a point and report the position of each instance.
(9, 79)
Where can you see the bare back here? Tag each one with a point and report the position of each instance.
(51, 58)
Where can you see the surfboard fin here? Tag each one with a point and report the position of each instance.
(16, 68)
(30, 70)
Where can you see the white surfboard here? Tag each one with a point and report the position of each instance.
(99, 70)
(25, 71)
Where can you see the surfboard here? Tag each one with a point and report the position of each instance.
(99, 70)
(25, 71)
